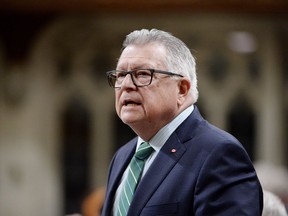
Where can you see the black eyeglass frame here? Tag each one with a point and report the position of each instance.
(110, 77)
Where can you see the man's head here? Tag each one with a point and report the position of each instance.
(178, 56)
(148, 106)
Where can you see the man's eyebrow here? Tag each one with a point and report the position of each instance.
(135, 66)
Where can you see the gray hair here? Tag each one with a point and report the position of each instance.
(179, 58)
(272, 205)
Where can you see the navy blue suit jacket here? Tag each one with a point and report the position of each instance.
(209, 174)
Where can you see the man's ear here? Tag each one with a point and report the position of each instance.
(184, 86)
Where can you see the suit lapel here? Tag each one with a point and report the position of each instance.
(167, 158)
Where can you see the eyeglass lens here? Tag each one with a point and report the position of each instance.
(139, 77)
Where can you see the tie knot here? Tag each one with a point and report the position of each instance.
(144, 151)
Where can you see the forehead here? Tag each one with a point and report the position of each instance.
(134, 56)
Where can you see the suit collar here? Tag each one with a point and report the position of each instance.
(188, 129)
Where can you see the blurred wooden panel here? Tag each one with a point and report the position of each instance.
(230, 6)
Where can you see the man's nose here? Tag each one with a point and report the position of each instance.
(128, 81)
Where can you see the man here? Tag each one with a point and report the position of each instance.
(194, 168)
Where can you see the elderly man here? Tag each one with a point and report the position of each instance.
(182, 165)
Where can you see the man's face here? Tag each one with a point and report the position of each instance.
(151, 107)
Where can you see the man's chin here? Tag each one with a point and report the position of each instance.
(130, 117)
(128, 121)
(131, 122)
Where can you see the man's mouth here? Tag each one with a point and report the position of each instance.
(130, 103)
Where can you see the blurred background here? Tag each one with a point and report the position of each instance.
(58, 127)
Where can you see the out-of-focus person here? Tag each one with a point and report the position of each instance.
(273, 206)
(273, 178)
(93, 203)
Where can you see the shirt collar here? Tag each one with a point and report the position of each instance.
(164, 133)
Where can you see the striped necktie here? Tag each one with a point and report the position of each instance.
(134, 174)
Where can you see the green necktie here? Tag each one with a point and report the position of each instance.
(134, 174)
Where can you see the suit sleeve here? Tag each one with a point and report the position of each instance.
(228, 184)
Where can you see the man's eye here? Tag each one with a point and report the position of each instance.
(143, 73)
(120, 74)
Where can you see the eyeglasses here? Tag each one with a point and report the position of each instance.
(140, 77)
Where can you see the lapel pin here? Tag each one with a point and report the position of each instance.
(173, 150)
